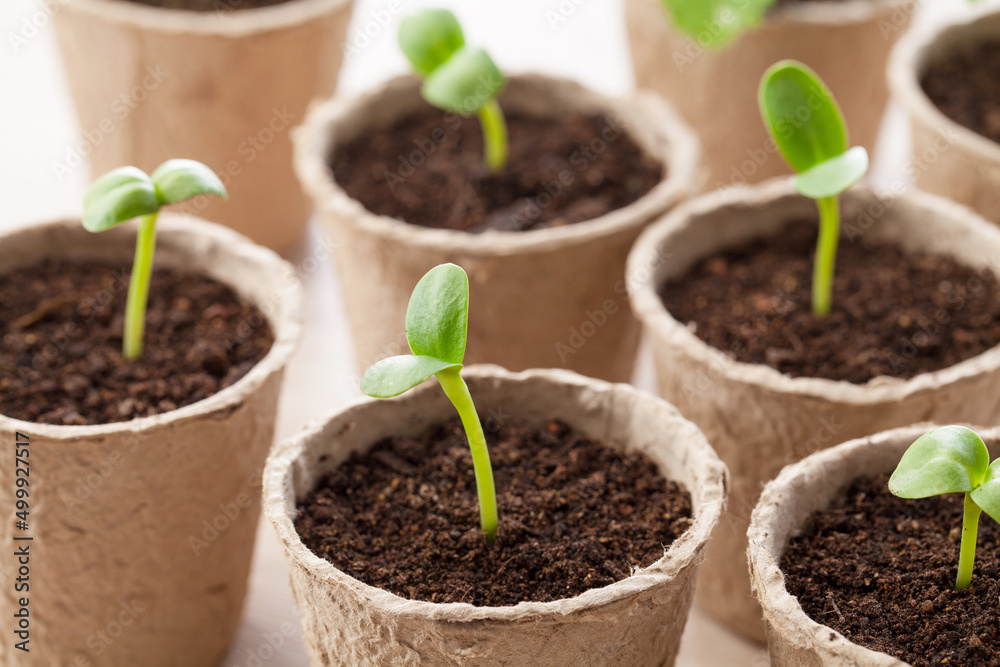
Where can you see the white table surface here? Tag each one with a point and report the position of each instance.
(37, 126)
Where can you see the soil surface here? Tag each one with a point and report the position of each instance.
(574, 515)
(427, 169)
(881, 571)
(965, 87)
(210, 5)
(894, 314)
(61, 356)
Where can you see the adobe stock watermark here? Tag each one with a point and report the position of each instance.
(227, 514)
(121, 108)
(368, 28)
(31, 26)
(562, 12)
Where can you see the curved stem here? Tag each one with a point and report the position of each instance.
(138, 288)
(458, 393)
(967, 552)
(826, 255)
(494, 135)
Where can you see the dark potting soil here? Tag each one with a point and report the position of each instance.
(881, 570)
(427, 169)
(965, 87)
(574, 515)
(61, 357)
(210, 5)
(894, 314)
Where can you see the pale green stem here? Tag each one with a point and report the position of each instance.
(138, 288)
(458, 393)
(826, 255)
(967, 552)
(494, 135)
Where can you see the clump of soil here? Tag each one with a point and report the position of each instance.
(61, 356)
(574, 515)
(427, 169)
(965, 87)
(881, 571)
(894, 314)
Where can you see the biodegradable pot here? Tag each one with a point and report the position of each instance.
(224, 87)
(553, 297)
(117, 575)
(638, 621)
(847, 43)
(794, 639)
(759, 419)
(948, 158)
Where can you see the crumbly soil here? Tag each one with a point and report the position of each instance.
(427, 169)
(211, 5)
(574, 515)
(965, 87)
(881, 571)
(894, 314)
(61, 356)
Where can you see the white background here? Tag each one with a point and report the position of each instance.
(37, 127)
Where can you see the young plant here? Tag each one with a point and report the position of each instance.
(808, 128)
(437, 321)
(457, 78)
(715, 23)
(126, 193)
(952, 459)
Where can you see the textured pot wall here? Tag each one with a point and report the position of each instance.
(794, 639)
(847, 43)
(638, 621)
(760, 420)
(947, 158)
(222, 87)
(144, 530)
(549, 298)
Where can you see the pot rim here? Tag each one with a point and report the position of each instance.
(642, 289)
(834, 14)
(286, 324)
(313, 142)
(907, 62)
(707, 506)
(232, 24)
(765, 571)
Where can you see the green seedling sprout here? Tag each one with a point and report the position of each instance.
(952, 459)
(808, 128)
(437, 321)
(457, 78)
(715, 23)
(126, 193)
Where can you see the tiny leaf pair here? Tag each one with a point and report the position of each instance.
(457, 78)
(437, 319)
(715, 23)
(806, 124)
(952, 459)
(126, 193)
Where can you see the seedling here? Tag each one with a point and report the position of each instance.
(952, 459)
(437, 320)
(126, 193)
(715, 23)
(808, 128)
(457, 78)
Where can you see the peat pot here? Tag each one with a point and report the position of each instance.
(556, 296)
(847, 43)
(636, 621)
(759, 419)
(224, 87)
(948, 158)
(123, 570)
(794, 639)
